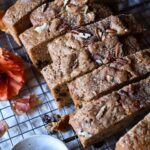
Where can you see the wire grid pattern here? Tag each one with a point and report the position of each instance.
(24, 126)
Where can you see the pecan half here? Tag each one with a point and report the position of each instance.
(101, 113)
(41, 28)
(83, 35)
(66, 2)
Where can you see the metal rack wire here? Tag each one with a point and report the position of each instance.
(24, 126)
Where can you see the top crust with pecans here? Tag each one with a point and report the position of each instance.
(112, 48)
(138, 138)
(34, 36)
(109, 77)
(98, 31)
(74, 15)
(94, 121)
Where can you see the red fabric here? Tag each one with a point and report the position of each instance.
(12, 74)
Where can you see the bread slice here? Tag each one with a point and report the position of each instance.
(68, 65)
(36, 42)
(110, 77)
(17, 18)
(72, 9)
(47, 12)
(138, 138)
(101, 30)
(107, 115)
(36, 38)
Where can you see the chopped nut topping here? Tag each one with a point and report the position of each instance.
(94, 93)
(101, 112)
(84, 134)
(100, 33)
(81, 34)
(109, 78)
(99, 62)
(66, 2)
(118, 50)
(40, 29)
(72, 8)
(75, 65)
(110, 31)
(44, 7)
(85, 9)
(84, 35)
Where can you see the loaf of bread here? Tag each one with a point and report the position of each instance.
(107, 115)
(17, 17)
(138, 138)
(110, 77)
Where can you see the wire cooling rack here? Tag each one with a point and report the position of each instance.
(24, 126)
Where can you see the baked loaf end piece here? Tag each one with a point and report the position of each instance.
(95, 120)
(17, 18)
(110, 77)
(68, 64)
(36, 39)
(138, 138)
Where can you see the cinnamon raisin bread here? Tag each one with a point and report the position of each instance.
(107, 115)
(110, 77)
(17, 18)
(138, 138)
